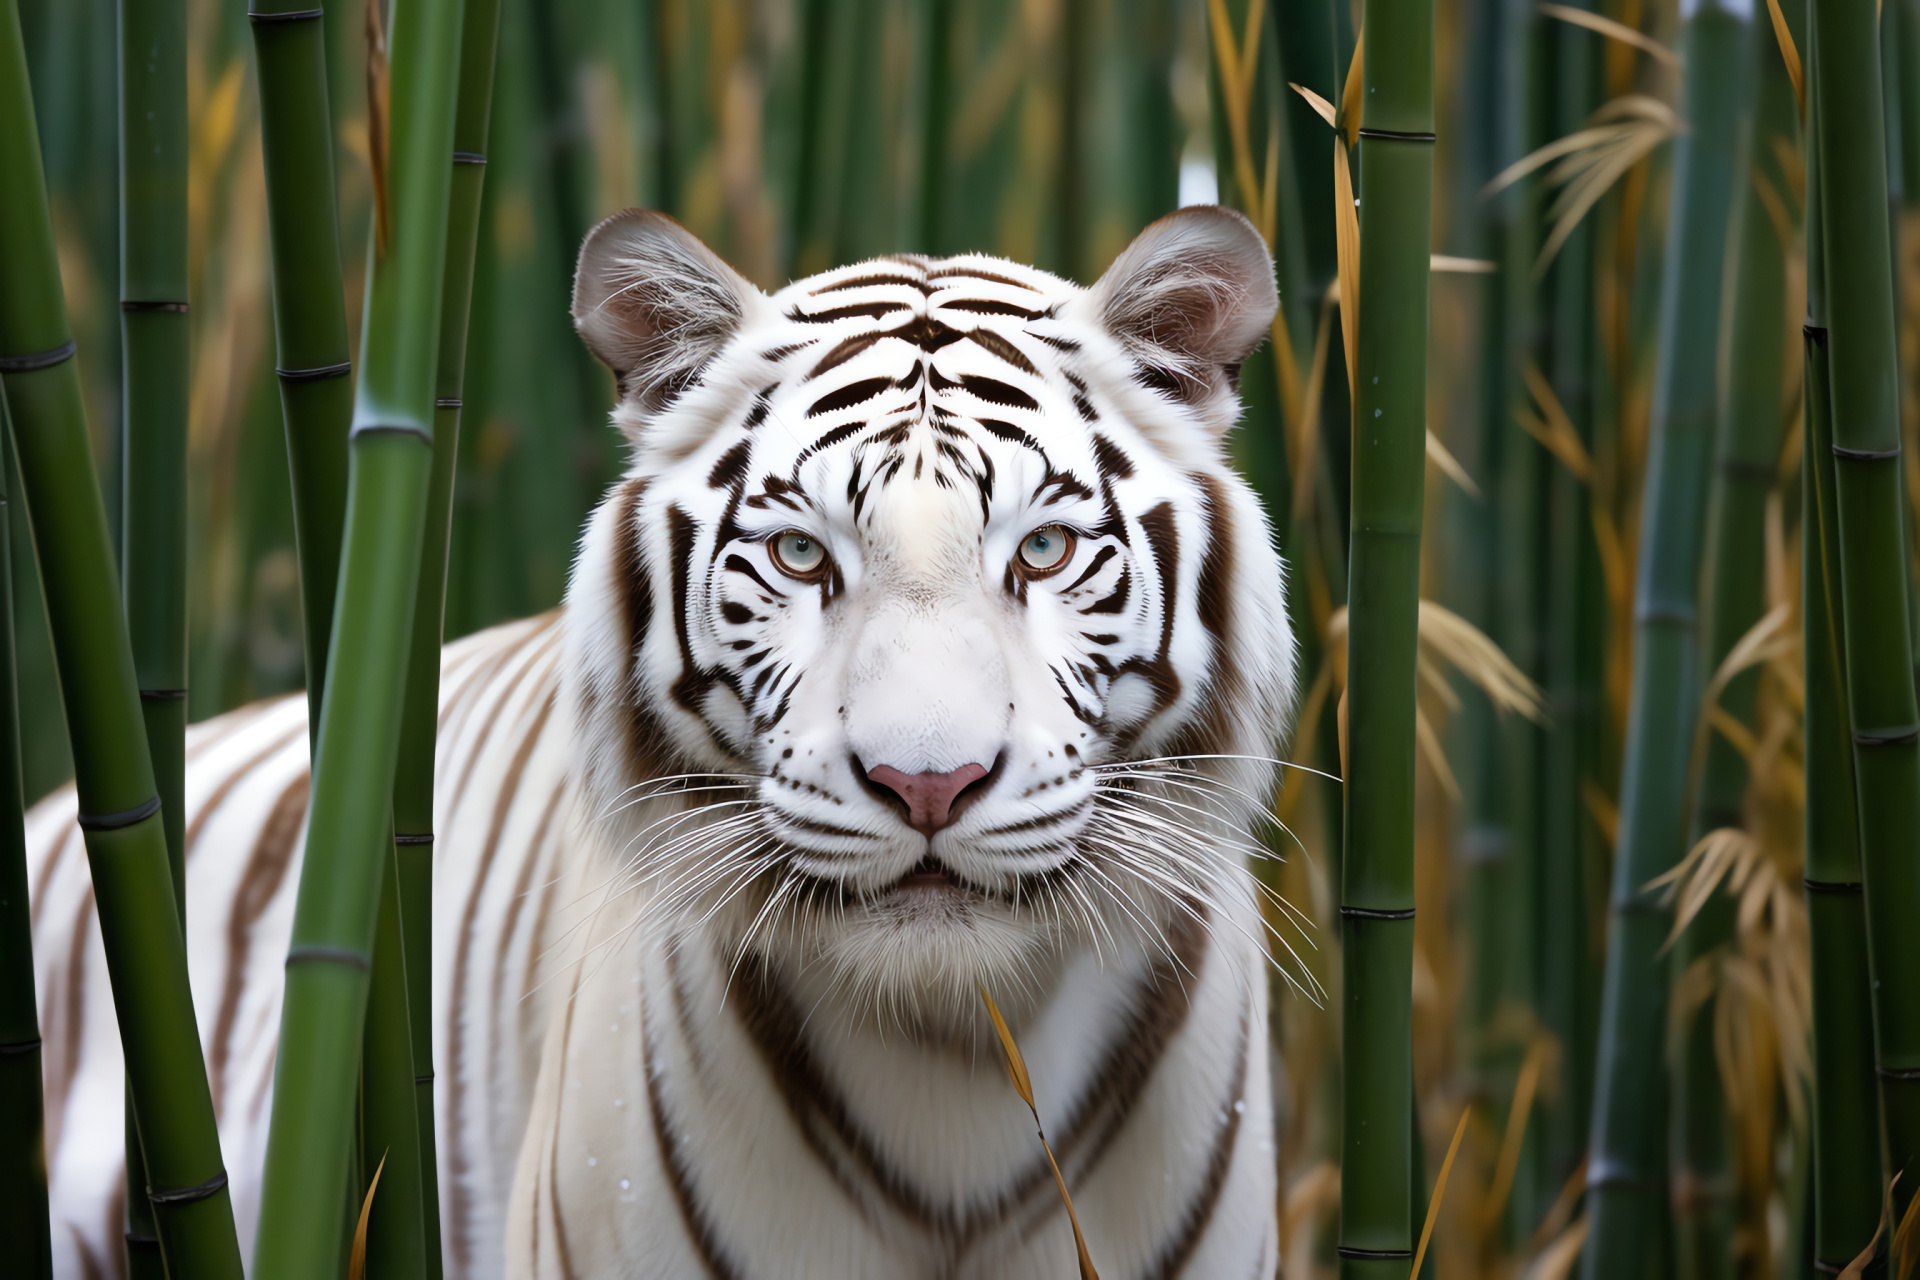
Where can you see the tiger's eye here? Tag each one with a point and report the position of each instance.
(799, 555)
(1045, 550)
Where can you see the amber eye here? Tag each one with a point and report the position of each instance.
(1045, 550)
(799, 555)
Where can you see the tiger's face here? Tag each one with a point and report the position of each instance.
(923, 573)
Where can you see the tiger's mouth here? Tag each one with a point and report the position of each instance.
(931, 875)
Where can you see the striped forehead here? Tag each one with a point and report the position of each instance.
(917, 370)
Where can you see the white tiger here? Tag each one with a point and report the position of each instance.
(929, 646)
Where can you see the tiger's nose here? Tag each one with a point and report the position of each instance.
(929, 797)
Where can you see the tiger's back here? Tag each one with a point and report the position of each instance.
(502, 895)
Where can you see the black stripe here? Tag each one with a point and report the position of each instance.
(116, 821)
(679, 1178)
(187, 1195)
(846, 397)
(38, 360)
(1179, 1251)
(989, 307)
(868, 309)
(316, 373)
(1004, 348)
(995, 391)
(129, 307)
(328, 955)
(871, 282)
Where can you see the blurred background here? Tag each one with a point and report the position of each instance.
(793, 135)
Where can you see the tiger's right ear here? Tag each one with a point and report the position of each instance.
(654, 305)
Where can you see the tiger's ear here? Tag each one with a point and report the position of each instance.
(654, 305)
(1191, 298)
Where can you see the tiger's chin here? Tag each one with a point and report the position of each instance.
(913, 958)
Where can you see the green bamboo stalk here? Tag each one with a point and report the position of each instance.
(1626, 1164)
(348, 842)
(1383, 594)
(1846, 1110)
(153, 456)
(413, 775)
(23, 1157)
(119, 806)
(1706, 1210)
(390, 1124)
(309, 305)
(1864, 391)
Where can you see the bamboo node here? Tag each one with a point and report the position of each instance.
(116, 821)
(37, 360)
(187, 1195)
(291, 15)
(329, 955)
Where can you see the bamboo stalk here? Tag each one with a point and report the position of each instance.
(1846, 1111)
(413, 775)
(1863, 387)
(1389, 472)
(1706, 1206)
(125, 836)
(348, 847)
(153, 459)
(390, 1124)
(23, 1162)
(309, 305)
(1626, 1168)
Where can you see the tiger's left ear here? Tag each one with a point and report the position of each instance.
(1191, 298)
(655, 304)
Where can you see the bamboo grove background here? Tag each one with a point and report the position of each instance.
(1618, 727)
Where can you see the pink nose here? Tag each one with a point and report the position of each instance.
(929, 796)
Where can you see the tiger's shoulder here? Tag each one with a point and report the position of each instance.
(505, 833)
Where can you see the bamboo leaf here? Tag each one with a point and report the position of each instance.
(1023, 1085)
(1906, 1240)
(1855, 1269)
(1350, 93)
(1556, 1260)
(379, 102)
(357, 1259)
(1462, 266)
(1449, 465)
(1508, 1163)
(1439, 1191)
(1615, 31)
(1318, 103)
(1789, 54)
(1346, 226)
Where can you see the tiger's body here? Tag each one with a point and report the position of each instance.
(929, 645)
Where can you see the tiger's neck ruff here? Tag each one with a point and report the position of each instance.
(930, 644)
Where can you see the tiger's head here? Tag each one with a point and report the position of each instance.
(930, 639)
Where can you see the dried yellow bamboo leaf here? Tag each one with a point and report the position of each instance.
(357, 1258)
(1449, 465)
(1906, 1240)
(1314, 100)
(1508, 1163)
(1447, 263)
(1439, 1191)
(1350, 92)
(1613, 31)
(379, 102)
(1306, 429)
(1346, 227)
(1556, 1260)
(1858, 1266)
(1789, 54)
(1023, 1085)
